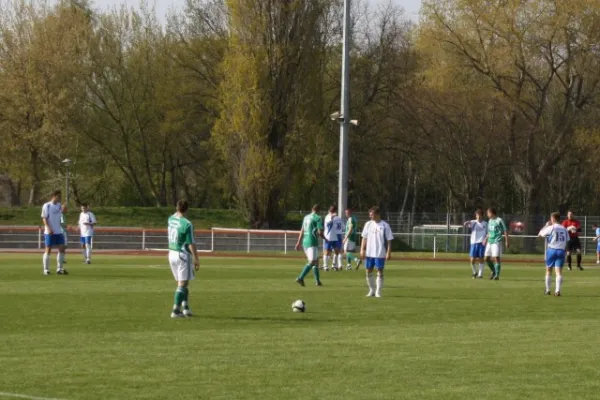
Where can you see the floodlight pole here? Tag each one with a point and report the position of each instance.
(345, 114)
(67, 163)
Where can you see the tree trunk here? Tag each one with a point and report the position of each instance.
(34, 192)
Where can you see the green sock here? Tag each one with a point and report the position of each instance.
(491, 265)
(316, 273)
(185, 303)
(179, 297)
(498, 267)
(305, 271)
(349, 258)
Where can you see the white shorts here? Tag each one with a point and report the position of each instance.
(349, 246)
(312, 253)
(181, 266)
(493, 250)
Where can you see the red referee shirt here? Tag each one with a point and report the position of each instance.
(572, 222)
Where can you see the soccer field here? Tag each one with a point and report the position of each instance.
(104, 332)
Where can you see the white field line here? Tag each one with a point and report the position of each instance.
(24, 396)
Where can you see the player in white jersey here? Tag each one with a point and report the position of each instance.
(332, 239)
(376, 249)
(87, 221)
(53, 233)
(557, 236)
(478, 232)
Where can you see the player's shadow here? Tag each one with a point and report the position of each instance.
(271, 319)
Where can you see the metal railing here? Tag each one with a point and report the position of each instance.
(260, 241)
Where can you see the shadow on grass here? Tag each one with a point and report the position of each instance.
(272, 319)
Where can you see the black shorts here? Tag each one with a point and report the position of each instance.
(573, 244)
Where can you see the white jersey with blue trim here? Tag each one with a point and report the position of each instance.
(557, 236)
(478, 231)
(334, 227)
(53, 214)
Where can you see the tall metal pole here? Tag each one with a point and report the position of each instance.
(345, 112)
(67, 186)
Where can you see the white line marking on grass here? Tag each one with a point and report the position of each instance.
(24, 396)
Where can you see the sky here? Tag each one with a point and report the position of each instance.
(162, 6)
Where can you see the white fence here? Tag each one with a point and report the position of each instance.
(258, 241)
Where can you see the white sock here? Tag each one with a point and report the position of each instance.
(473, 268)
(334, 261)
(325, 261)
(559, 280)
(371, 283)
(84, 253)
(60, 257)
(89, 251)
(340, 261)
(46, 261)
(480, 269)
(548, 282)
(379, 284)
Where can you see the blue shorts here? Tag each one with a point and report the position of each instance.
(54, 240)
(377, 263)
(555, 258)
(85, 240)
(477, 250)
(332, 245)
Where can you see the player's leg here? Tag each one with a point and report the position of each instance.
(569, 250)
(326, 254)
(340, 261)
(379, 266)
(181, 273)
(83, 248)
(312, 257)
(598, 253)
(488, 260)
(66, 239)
(548, 281)
(550, 260)
(188, 273)
(369, 266)
(47, 253)
(88, 249)
(481, 259)
(472, 256)
(496, 256)
(60, 258)
(578, 250)
(559, 263)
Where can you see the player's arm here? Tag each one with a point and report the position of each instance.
(350, 230)
(193, 248)
(363, 244)
(45, 216)
(388, 237)
(299, 239)
(320, 230)
(505, 234)
(545, 232)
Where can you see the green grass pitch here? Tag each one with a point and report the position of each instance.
(104, 332)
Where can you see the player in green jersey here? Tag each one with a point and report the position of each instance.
(312, 230)
(350, 239)
(182, 252)
(493, 242)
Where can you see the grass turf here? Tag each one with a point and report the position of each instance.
(104, 332)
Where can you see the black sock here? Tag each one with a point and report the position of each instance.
(579, 260)
(569, 260)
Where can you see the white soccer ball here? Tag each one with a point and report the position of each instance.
(298, 306)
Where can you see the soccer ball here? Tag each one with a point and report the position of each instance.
(572, 229)
(298, 306)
